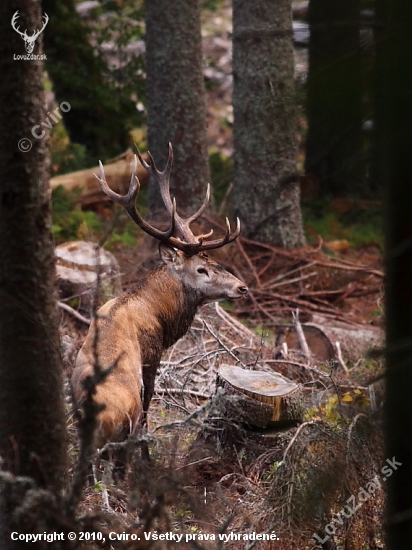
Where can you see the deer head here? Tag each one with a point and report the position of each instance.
(29, 40)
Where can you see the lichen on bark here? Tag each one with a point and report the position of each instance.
(265, 144)
(32, 413)
(175, 102)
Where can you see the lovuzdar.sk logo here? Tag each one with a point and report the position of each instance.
(29, 41)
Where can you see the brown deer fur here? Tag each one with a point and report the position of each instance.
(134, 330)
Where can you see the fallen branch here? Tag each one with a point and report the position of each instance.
(291, 442)
(209, 328)
(73, 312)
(248, 261)
(301, 336)
(340, 358)
(176, 391)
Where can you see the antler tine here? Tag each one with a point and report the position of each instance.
(200, 246)
(124, 200)
(129, 203)
(13, 22)
(197, 214)
(162, 177)
(163, 180)
(38, 33)
(228, 238)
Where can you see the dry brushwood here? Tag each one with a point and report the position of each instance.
(282, 280)
(316, 473)
(189, 368)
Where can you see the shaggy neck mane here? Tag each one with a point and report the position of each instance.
(172, 304)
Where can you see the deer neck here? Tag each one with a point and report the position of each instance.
(172, 305)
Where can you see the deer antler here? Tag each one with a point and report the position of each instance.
(189, 243)
(13, 24)
(129, 203)
(36, 34)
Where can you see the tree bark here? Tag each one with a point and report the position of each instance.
(334, 148)
(175, 99)
(264, 130)
(393, 133)
(32, 413)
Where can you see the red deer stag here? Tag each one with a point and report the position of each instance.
(132, 331)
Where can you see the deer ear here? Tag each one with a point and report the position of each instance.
(168, 255)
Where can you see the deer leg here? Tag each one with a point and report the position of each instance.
(119, 463)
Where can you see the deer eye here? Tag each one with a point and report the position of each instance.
(202, 270)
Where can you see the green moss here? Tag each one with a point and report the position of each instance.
(361, 224)
(221, 173)
(65, 156)
(70, 222)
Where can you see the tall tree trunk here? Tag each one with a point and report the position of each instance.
(264, 130)
(175, 98)
(334, 149)
(394, 143)
(32, 414)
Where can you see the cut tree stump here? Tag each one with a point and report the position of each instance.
(80, 267)
(355, 341)
(259, 398)
(250, 411)
(320, 346)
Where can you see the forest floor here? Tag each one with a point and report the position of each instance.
(293, 484)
